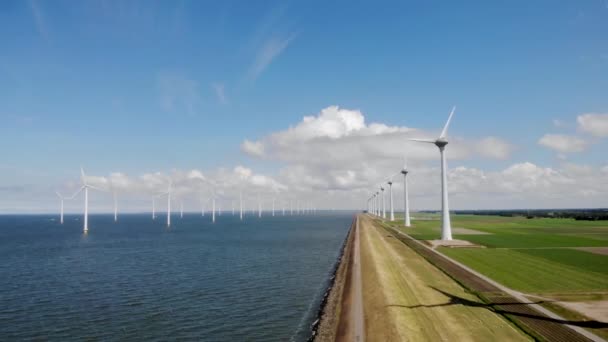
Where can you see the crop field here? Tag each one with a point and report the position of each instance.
(530, 255)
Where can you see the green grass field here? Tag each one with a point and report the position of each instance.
(529, 255)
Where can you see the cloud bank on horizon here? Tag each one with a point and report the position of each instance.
(334, 159)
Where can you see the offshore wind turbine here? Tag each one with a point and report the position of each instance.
(241, 205)
(61, 213)
(213, 208)
(154, 207)
(85, 187)
(115, 201)
(168, 193)
(259, 207)
(273, 207)
(406, 202)
(441, 142)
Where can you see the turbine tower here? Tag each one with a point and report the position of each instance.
(259, 207)
(383, 202)
(273, 207)
(181, 209)
(61, 213)
(406, 202)
(390, 199)
(114, 197)
(441, 142)
(154, 207)
(168, 193)
(85, 187)
(241, 205)
(213, 208)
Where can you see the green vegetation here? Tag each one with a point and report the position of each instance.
(531, 273)
(530, 255)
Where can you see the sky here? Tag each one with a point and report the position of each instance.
(309, 101)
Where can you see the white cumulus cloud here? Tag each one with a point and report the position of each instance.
(563, 143)
(594, 123)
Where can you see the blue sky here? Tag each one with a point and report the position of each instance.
(136, 87)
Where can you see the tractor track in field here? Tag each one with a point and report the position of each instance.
(524, 314)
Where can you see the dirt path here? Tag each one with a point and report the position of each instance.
(407, 299)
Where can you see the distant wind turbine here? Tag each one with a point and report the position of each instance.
(441, 142)
(241, 205)
(61, 213)
(383, 202)
(168, 193)
(406, 202)
(85, 187)
(114, 197)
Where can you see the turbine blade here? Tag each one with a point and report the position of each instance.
(58, 195)
(95, 188)
(422, 140)
(77, 192)
(83, 178)
(444, 132)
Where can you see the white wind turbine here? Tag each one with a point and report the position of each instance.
(181, 209)
(114, 197)
(273, 207)
(406, 201)
(154, 207)
(85, 187)
(61, 198)
(259, 207)
(441, 142)
(241, 205)
(383, 202)
(213, 208)
(390, 194)
(168, 193)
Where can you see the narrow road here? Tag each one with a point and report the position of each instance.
(357, 294)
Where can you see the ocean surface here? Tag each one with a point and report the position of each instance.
(257, 280)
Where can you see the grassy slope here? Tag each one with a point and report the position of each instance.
(402, 297)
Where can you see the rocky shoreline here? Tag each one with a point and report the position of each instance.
(324, 327)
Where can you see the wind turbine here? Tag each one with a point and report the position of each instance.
(406, 202)
(61, 214)
(241, 205)
(115, 201)
(85, 187)
(154, 207)
(181, 209)
(383, 202)
(259, 207)
(441, 142)
(213, 208)
(390, 194)
(273, 207)
(168, 193)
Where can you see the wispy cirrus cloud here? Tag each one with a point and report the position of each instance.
(39, 19)
(267, 53)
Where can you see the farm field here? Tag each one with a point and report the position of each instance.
(561, 259)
